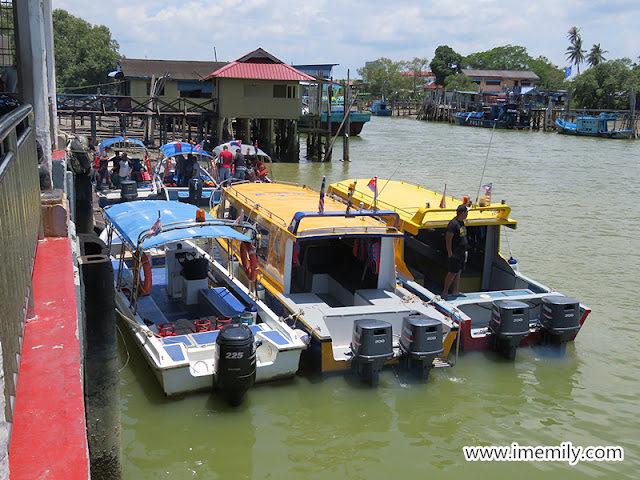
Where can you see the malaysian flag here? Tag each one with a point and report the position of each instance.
(373, 186)
(156, 228)
(487, 192)
(321, 203)
(199, 147)
(443, 202)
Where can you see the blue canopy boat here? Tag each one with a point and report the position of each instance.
(174, 173)
(588, 126)
(507, 116)
(198, 327)
(380, 108)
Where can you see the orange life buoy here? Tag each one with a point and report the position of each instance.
(144, 286)
(249, 260)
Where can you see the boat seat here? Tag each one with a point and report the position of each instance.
(149, 310)
(222, 301)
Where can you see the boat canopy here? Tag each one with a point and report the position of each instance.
(131, 219)
(121, 142)
(234, 145)
(182, 148)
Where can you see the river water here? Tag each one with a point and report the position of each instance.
(578, 232)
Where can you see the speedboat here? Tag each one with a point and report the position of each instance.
(141, 185)
(329, 269)
(200, 189)
(197, 325)
(501, 308)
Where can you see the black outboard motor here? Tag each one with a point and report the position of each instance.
(235, 362)
(195, 191)
(421, 343)
(509, 325)
(560, 319)
(371, 346)
(128, 190)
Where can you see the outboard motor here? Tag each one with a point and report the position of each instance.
(195, 191)
(421, 343)
(560, 319)
(371, 346)
(235, 362)
(509, 324)
(128, 190)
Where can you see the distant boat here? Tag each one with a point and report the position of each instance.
(505, 115)
(381, 108)
(588, 126)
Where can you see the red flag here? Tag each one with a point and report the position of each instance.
(373, 184)
(443, 202)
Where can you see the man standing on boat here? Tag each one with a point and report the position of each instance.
(456, 242)
(226, 160)
(240, 164)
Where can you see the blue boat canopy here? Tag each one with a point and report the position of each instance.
(130, 219)
(182, 148)
(121, 142)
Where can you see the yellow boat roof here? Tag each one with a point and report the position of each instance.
(295, 208)
(418, 207)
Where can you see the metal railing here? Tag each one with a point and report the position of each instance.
(20, 219)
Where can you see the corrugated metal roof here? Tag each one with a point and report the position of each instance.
(177, 69)
(514, 74)
(260, 71)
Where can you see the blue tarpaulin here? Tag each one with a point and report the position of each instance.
(182, 148)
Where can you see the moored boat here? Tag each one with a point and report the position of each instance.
(506, 116)
(198, 327)
(603, 126)
(330, 269)
(381, 108)
(141, 185)
(175, 178)
(502, 308)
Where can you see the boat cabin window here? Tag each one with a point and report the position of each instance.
(228, 210)
(263, 244)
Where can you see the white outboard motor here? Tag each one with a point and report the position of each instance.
(509, 325)
(560, 319)
(235, 362)
(421, 343)
(371, 347)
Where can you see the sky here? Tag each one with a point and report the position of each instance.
(350, 33)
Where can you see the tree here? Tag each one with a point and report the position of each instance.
(84, 53)
(596, 55)
(606, 86)
(445, 62)
(383, 76)
(575, 53)
(415, 67)
(460, 82)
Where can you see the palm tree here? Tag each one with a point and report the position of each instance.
(596, 55)
(575, 53)
(573, 34)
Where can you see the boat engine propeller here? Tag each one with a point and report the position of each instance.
(420, 343)
(235, 362)
(509, 325)
(371, 347)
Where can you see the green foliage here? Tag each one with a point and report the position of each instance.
(84, 53)
(575, 53)
(445, 62)
(596, 55)
(384, 77)
(551, 77)
(507, 57)
(461, 82)
(606, 86)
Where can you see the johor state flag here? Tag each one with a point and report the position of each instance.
(321, 202)
(156, 228)
(373, 185)
(567, 72)
(443, 202)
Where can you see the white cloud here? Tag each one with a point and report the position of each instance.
(351, 33)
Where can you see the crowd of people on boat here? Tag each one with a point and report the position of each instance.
(122, 168)
(239, 167)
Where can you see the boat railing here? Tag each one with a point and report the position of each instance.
(256, 207)
(20, 213)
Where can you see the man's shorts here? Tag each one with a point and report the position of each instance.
(456, 263)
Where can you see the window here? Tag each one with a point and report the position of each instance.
(279, 91)
(525, 83)
(493, 82)
(263, 242)
(149, 90)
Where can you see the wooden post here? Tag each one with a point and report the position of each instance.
(347, 123)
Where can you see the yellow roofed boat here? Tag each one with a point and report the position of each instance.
(330, 269)
(502, 307)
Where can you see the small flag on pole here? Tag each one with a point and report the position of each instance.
(443, 202)
(178, 146)
(373, 186)
(156, 228)
(487, 192)
(199, 147)
(321, 203)
(567, 72)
